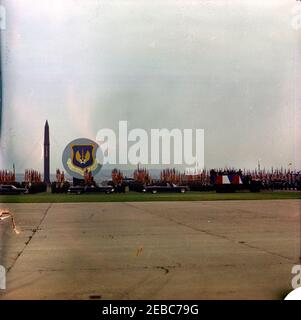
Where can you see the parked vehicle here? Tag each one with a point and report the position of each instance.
(11, 189)
(76, 190)
(99, 189)
(91, 189)
(167, 188)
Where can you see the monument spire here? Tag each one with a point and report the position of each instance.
(46, 154)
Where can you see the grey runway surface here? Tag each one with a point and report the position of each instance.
(151, 250)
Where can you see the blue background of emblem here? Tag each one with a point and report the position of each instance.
(68, 155)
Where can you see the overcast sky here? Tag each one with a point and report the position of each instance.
(229, 67)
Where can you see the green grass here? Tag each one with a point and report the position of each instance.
(133, 196)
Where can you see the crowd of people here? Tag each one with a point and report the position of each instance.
(282, 179)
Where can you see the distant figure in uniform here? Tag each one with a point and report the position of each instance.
(5, 214)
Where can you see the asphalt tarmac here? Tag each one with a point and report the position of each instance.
(151, 250)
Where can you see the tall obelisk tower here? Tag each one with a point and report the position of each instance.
(0, 90)
(46, 154)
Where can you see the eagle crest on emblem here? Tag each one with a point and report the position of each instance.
(81, 158)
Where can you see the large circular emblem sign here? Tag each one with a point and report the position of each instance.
(79, 157)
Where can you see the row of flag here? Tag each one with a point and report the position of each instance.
(60, 176)
(88, 177)
(170, 176)
(283, 175)
(142, 175)
(7, 176)
(117, 176)
(205, 176)
(32, 176)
